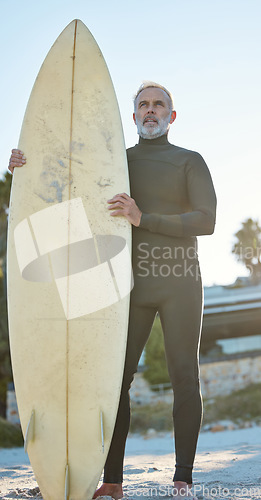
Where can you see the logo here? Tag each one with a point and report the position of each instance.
(91, 272)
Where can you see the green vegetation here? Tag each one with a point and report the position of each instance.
(247, 247)
(157, 416)
(5, 364)
(155, 361)
(10, 435)
(239, 407)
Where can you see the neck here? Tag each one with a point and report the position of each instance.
(163, 139)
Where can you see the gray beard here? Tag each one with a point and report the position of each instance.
(153, 132)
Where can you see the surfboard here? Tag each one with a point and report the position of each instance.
(69, 268)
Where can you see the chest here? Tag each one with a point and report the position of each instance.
(159, 181)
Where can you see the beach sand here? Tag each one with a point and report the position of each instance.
(228, 465)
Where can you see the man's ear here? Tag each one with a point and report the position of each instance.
(134, 118)
(173, 117)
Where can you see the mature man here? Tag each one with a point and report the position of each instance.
(173, 201)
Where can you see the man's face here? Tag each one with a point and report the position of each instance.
(153, 114)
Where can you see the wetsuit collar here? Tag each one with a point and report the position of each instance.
(159, 141)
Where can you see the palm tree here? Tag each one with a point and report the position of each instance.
(247, 248)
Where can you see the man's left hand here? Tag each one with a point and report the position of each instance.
(122, 204)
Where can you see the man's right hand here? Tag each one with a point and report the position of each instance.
(17, 159)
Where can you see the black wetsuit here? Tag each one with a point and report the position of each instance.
(173, 188)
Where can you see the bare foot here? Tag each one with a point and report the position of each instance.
(113, 490)
(182, 491)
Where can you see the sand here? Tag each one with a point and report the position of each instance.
(228, 465)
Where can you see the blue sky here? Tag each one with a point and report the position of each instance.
(207, 53)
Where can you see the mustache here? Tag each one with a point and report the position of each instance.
(149, 118)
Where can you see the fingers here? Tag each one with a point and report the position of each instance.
(122, 202)
(117, 209)
(120, 197)
(115, 204)
(17, 159)
(117, 212)
(125, 206)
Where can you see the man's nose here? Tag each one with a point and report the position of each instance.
(151, 109)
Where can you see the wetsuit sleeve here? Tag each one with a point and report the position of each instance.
(200, 219)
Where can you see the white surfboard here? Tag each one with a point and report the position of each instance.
(69, 268)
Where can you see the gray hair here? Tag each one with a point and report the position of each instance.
(147, 85)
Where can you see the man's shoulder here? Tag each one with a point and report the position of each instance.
(186, 153)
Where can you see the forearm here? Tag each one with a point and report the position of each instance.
(196, 223)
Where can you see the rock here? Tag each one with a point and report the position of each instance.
(222, 425)
(247, 425)
(217, 428)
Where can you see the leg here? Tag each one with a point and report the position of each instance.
(181, 321)
(140, 323)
